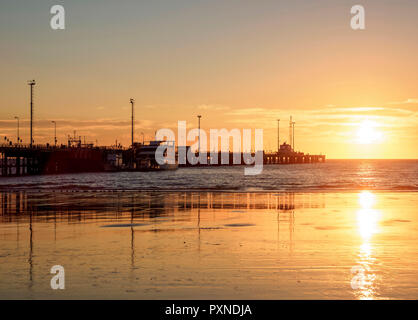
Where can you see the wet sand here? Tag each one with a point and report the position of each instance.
(204, 245)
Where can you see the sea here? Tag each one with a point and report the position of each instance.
(343, 229)
(334, 175)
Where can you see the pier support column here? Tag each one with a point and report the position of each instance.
(5, 166)
(18, 166)
(30, 163)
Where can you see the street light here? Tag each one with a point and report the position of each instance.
(198, 117)
(18, 135)
(31, 83)
(142, 134)
(55, 132)
(278, 135)
(132, 101)
(293, 135)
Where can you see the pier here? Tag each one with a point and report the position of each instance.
(19, 160)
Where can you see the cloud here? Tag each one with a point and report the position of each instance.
(251, 112)
(329, 116)
(326, 120)
(407, 101)
(75, 124)
(347, 112)
(212, 107)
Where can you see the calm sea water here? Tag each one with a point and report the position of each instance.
(209, 245)
(292, 232)
(334, 175)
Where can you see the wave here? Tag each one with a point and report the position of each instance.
(406, 188)
(322, 188)
(338, 176)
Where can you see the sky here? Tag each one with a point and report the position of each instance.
(239, 64)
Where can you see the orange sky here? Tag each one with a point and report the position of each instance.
(238, 64)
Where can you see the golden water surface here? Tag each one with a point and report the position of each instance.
(203, 245)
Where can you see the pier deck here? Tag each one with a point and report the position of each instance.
(18, 160)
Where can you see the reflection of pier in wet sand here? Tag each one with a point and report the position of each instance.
(200, 244)
(81, 206)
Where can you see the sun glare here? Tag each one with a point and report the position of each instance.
(366, 199)
(367, 133)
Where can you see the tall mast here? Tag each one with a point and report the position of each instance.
(31, 83)
(293, 134)
(290, 132)
(198, 117)
(132, 101)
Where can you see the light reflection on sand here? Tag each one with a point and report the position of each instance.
(368, 220)
(197, 245)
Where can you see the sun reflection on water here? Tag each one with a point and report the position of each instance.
(368, 225)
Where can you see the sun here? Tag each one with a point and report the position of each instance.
(367, 133)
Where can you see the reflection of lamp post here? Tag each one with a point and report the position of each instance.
(55, 132)
(198, 117)
(18, 136)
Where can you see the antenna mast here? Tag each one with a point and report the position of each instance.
(293, 134)
(290, 132)
(132, 101)
(31, 83)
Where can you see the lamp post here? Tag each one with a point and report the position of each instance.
(31, 83)
(143, 137)
(198, 117)
(55, 132)
(132, 101)
(278, 135)
(18, 125)
(293, 135)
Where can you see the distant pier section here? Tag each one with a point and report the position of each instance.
(286, 155)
